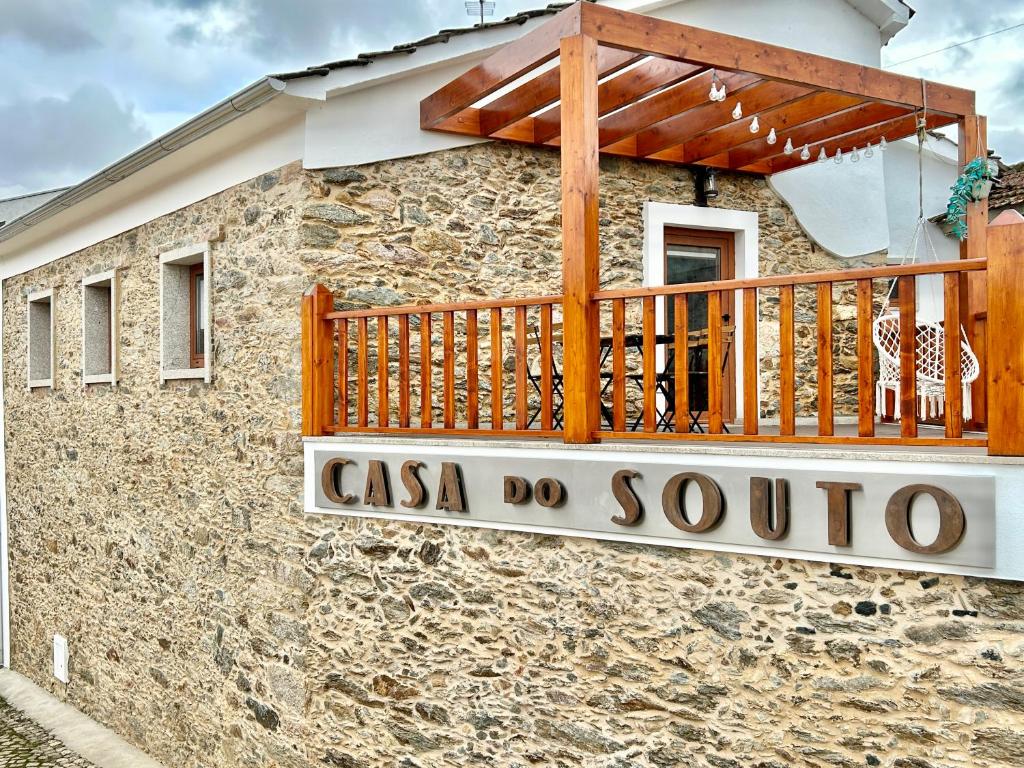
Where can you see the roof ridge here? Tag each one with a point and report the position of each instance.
(441, 36)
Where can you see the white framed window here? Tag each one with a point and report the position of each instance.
(100, 303)
(186, 343)
(42, 350)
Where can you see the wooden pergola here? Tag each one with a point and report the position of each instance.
(632, 85)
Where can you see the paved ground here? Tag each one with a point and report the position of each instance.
(23, 744)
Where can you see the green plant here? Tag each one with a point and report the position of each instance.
(971, 186)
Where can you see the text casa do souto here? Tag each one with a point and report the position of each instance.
(768, 501)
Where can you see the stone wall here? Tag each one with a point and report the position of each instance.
(485, 223)
(159, 528)
(213, 624)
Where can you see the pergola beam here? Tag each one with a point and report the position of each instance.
(781, 118)
(811, 132)
(543, 91)
(649, 77)
(688, 125)
(892, 130)
(502, 67)
(683, 42)
(667, 104)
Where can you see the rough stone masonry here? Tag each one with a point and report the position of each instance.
(212, 623)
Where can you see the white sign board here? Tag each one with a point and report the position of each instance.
(886, 513)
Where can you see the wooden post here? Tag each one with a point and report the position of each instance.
(317, 361)
(580, 255)
(1005, 369)
(973, 143)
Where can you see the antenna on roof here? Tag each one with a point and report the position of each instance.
(482, 7)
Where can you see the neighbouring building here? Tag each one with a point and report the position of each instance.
(283, 518)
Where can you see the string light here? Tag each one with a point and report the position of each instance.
(869, 152)
(737, 111)
(822, 156)
(755, 126)
(788, 149)
(772, 138)
(883, 144)
(839, 157)
(855, 157)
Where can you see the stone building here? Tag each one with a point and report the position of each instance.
(156, 516)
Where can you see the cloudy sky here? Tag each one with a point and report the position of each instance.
(86, 81)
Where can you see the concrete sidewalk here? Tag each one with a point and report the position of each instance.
(38, 731)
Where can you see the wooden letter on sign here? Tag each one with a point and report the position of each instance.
(838, 511)
(673, 501)
(451, 496)
(517, 489)
(761, 508)
(330, 481)
(413, 484)
(951, 519)
(549, 492)
(377, 492)
(632, 508)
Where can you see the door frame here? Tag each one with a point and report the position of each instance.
(725, 241)
(744, 226)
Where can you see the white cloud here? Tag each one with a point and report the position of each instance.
(51, 142)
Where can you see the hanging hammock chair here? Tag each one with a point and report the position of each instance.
(930, 341)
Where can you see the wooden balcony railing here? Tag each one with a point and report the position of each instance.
(803, 362)
(469, 368)
(663, 381)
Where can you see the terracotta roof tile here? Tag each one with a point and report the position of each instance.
(1008, 189)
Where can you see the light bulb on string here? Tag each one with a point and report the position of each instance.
(772, 138)
(805, 153)
(839, 157)
(855, 157)
(788, 149)
(883, 144)
(737, 111)
(755, 126)
(822, 156)
(869, 152)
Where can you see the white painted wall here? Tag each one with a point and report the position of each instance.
(842, 208)
(939, 166)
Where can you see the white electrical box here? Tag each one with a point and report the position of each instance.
(60, 658)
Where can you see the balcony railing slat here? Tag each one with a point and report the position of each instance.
(619, 365)
(343, 372)
(650, 383)
(497, 395)
(715, 363)
(751, 405)
(865, 359)
(363, 363)
(383, 408)
(403, 371)
(908, 356)
(448, 370)
(826, 424)
(472, 372)
(522, 418)
(954, 386)
(681, 346)
(787, 363)
(546, 380)
(426, 373)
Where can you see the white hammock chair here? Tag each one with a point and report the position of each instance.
(931, 346)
